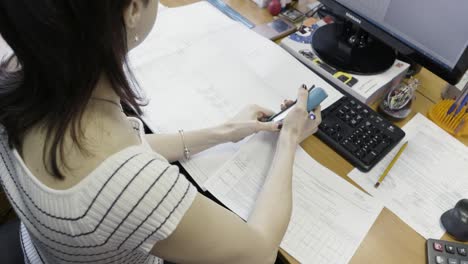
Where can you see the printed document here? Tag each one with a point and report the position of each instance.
(429, 177)
(198, 68)
(330, 216)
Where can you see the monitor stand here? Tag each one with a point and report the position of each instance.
(348, 48)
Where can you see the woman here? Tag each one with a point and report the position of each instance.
(87, 184)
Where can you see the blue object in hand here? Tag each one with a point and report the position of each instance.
(316, 96)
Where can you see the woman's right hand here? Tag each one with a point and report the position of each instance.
(298, 121)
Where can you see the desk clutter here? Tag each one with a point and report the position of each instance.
(219, 66)
(366, 88)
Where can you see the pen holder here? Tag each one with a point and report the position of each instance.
(456, 125)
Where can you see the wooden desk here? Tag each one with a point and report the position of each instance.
(390, 240)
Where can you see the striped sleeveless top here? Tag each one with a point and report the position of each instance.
(132, 200)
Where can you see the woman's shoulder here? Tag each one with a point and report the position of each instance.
(102, 140)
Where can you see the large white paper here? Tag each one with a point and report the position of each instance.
(330, 216)
(429, 177)
(199, 68)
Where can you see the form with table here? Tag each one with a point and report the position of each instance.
(390, 239)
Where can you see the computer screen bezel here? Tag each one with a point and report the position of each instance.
(452, 76)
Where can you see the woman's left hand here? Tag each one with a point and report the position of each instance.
(250, 120)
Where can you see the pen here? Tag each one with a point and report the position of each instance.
(463, 103)
(389, 167)
(462, 123)
(460, 100)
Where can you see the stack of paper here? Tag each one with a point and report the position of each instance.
(330, 216)
(199, 68)
(429, 177)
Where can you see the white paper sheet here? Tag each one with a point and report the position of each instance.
(198, 68)
(330, 216)
(430, 176)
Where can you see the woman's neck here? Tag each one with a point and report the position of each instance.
(104, 89)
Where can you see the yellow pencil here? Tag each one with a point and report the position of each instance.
(389, 167)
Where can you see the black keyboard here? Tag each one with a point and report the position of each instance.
(358, 133)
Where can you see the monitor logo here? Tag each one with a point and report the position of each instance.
(355, 19)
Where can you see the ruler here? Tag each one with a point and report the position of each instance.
(227, 10)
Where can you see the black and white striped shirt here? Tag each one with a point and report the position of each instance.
(115, 215)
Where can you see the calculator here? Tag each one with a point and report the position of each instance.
(445, 252)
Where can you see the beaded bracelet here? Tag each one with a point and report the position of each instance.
(186, 150)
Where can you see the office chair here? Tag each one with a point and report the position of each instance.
(10, 246)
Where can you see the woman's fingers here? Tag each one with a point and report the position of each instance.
(263, 113)
(267, 126)
(286, 103)
(302, 97)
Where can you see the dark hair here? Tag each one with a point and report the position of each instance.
(61, 47)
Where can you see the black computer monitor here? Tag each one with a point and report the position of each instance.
(433, 33)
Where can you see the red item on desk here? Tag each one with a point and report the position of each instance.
(274, 7)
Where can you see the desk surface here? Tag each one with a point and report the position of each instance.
(390, 240)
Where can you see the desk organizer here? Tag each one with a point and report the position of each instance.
(456, 125)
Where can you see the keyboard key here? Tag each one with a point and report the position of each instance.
(338, 136)
(369, 157)
(440, 260)
(461, 251)
(350, 146)
(438, 247)
(464, 262)
(352, 125)
(450, 249)
(360, 154)
(452, 261)
(381, 147)
(372, 143)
